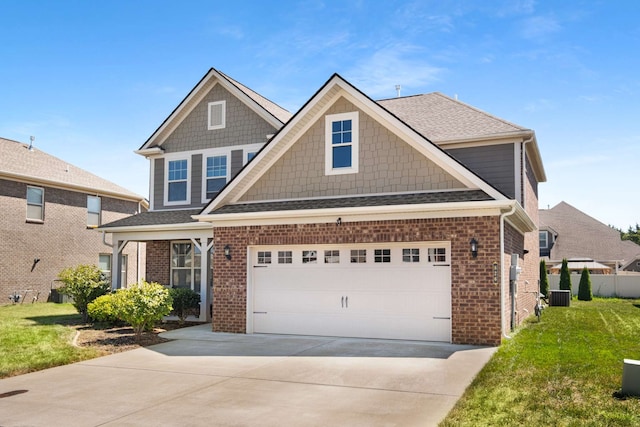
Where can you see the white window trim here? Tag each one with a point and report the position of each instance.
(214, 153)
(253, 148)
(224, 115)
(99, 211)
(39, 220)
(166, 180)
(328, 152)
(546, 246)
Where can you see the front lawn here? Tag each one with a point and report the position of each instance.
(564, 371)
(38, 336)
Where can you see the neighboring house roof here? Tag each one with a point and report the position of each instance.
(581, 236)
(19, 163)
(268, 110)
(576, 264)
(445, 121)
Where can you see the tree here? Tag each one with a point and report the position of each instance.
(631, 234)
(584, 289)
(185, 302)
(142, 304)
(565, 276)
(83, 283)
(544, 280)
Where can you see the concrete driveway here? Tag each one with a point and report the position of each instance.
(207, 379)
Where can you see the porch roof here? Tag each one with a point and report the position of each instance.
(357, 201)
(154, 218)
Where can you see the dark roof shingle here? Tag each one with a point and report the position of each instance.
(356, 201)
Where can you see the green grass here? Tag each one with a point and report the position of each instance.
(564, 371)
(38, 336)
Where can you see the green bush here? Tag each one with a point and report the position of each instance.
(544, 279)
(103, 309)
(142, 304)
(584, 288)
(185, 302)
(83, 283)
(565, 276)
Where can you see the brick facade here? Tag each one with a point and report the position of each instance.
(62, 240)
(158, 265)
(475, 295)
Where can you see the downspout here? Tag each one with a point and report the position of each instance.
(138, 252)
(523, 176)
(104, 240)
(502, 275)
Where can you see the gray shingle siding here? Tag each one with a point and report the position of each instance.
(237, 160)
(242, 126)
(158, 183)
(493, 163)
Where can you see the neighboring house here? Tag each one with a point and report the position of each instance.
(49, 212)
(353, 218)
(567, 232)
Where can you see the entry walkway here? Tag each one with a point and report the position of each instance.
(210, 379)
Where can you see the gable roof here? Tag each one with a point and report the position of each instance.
(335, 88)
(580, 235)
(19, 163)
(445, 121)
(442, 119)
(268, 110)
(319, 103)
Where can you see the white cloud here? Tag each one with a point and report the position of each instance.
(539, 27)
(378, 74)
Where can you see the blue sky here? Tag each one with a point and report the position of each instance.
(91, 80)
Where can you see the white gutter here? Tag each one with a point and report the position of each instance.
(502, 275)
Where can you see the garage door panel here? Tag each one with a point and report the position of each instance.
(395, 300)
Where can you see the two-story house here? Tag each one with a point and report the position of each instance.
(49, 212)
(397, 219)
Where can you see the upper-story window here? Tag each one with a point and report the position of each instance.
(177, 181)
(544, 241)
(35, 203)
(251, 155)
(216, 175)
(93, 211)
(341, 143)
(216, 113)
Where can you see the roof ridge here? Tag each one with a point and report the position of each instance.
(246, 89)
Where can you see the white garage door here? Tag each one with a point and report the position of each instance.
(393, 291)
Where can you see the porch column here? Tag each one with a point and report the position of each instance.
(116, 264)
(204, 246)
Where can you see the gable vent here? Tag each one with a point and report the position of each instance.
(216, 115)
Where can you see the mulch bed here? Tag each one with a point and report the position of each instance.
(118, 339)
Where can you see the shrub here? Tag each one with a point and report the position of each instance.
(103, 309)
(185, 302)
(544, 280)
(142, 304)
(584, 288)
(565, 276)
(83, 283)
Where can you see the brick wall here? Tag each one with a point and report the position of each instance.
(158, 262)
(475, 296)
(62, 240)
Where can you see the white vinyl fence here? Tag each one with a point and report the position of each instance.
(604, 285)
